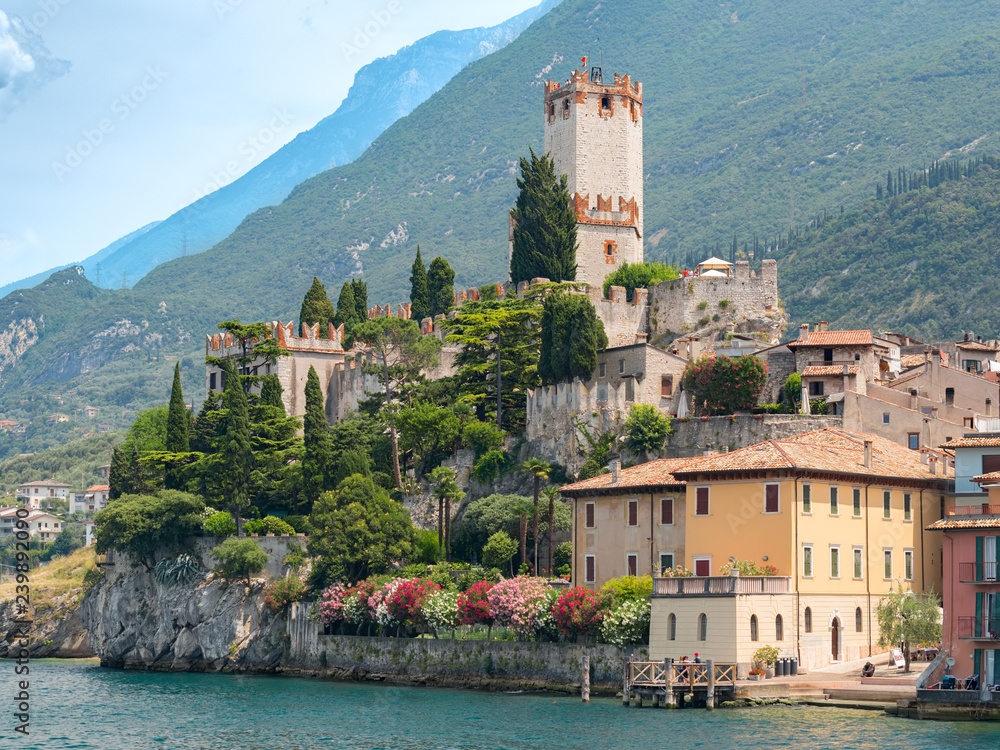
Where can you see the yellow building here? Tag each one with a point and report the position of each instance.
(628, 522)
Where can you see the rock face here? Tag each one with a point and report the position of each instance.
(207, 625)
(55, 630)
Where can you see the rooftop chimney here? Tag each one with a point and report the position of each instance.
(966, 335)
(932, 464)
(868, 454)
(615, 468)
(803, 331)
(822, 326)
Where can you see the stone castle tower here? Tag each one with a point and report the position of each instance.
(593, 130)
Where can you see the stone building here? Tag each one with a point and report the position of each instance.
(593, 130)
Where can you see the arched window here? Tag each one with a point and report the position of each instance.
(672, 624)
(753, 627)
(809, 620)
(703, 627)
(779, 628)
(859, 620)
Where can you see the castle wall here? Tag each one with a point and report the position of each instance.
(676, 306)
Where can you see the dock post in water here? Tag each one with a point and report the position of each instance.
(585, 678)
(710, 695)
(627, 687)
(668, 679)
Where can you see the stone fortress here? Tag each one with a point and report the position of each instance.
(593, 131)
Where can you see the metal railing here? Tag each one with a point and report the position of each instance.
(979, 572)
(721, 585)
(979, 628)
(655, 674)
(979, 509)
(832, 362)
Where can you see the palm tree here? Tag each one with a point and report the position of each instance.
(446, 490)
(551, 493)
(540, 469)
(523, 508)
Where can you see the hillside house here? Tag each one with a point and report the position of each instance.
(91, 500)
(33, 494)
(45, 526)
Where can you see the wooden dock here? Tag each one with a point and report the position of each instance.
(668, 683)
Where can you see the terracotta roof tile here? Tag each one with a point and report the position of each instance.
(818, 370)
(828, 450)
(973, 441)
(993, 476)
(651, 474)
(975, 346)
(981, 522)
(909, 361)
(835, 338)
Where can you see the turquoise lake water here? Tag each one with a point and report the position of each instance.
(76, 704)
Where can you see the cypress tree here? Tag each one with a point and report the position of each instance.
(316, 437)
(420, 306)
(178, 440)
(317, 308)
(571, 336)
(126, 475)
(270, 393)
(440, 286)
(544, 224)
(235, 448)
(360, 299)
(346, 310)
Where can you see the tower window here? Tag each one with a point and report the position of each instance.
(552, 110)
(605, 102)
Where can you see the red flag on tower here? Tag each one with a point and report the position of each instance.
(583, 61)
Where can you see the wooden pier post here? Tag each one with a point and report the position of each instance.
(710, 695)
(626, 687)
(585, 679)
(668, 677)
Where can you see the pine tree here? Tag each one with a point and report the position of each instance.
(235, 447)
(317, 308)
(544, 224)
(420, 306)
(440, 286)
(126, 475)
(178, 440)
(360, 299)
(270, 393)
(346, 309)
(316, 437)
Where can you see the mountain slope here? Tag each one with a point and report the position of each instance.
(922, 263)
(383, 91)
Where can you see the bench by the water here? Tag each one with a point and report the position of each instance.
(666, 682)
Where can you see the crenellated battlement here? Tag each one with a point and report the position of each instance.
(222, 345)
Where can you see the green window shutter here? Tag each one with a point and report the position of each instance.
(996, 667)
(995, 614)
(977, 660)
(979, 558)
(977, 631)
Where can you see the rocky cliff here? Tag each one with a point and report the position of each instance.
(206, 625)
(55, 630)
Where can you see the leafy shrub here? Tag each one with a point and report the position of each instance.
(519, 603)
(441, 610)
(474, 605)
(629, 588)
(562, 555)
(426, 546)
(499, 550)
(477, 575)
(646, 429)
(239, 558)
(280, 593)
(299, 523)
(724, 385)
(723, 303)
(407, 599)
(627, 623)
(639, 275)
(766, 655)
(819, 406)
(678, 571)
(295, 559)
(579, 611)
(91, 578)
(441, 575)
(748, 568)
(176, 572)
(220, 525)
(268, 525)
(140, 525)
(702, 305)
(482, 437)
(490, 465)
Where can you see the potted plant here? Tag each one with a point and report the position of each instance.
(756, 674)
(766, 656)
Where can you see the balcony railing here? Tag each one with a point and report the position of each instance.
(979, 628)
(981, 572)
(979, 509)
(832, 362)
(721, 585)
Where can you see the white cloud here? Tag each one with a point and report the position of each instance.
(25, 64)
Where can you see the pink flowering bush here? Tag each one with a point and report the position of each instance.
(474, 605)
(580, 611)
(406, 600)
(678, 571)
(520, 603)
(331, 603)
(723, 385)
(282, 592)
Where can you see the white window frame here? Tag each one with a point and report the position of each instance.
(695, 559)
(887, 557)
(857, 508)
(907, 507)
(587, 558)
(777, 486)
(908, 563)
(812, 560)
(673, 557)
(886, 507)
(630, 556)
(835, 553)
(835, 500)
(807, 506)
(858, 555)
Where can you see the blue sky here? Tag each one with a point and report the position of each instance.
(114, 114)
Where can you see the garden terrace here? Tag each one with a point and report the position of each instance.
(720, 586)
